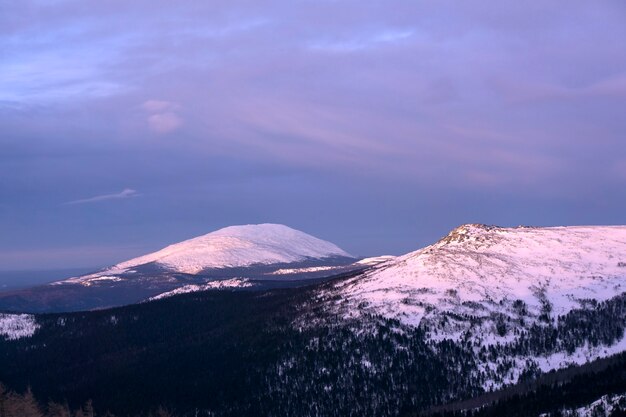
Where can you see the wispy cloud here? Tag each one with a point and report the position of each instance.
(162, 115)
(155, 106)
(363, 42)
(125, 193)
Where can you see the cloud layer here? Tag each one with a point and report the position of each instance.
(331, 116)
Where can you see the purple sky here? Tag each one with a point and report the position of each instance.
(378, 125)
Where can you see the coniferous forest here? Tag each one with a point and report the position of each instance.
(278, 353)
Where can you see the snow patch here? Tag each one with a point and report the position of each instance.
(89, 280)
(581, 355)
(603, 407)
(17, 326)
(287, 271)
(376, 260)
(213, 285)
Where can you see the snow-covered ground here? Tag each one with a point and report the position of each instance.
(545, 363)
(288, 271)
(479, 277)
(89, 280)
(238, 246)
(213, 285)
(602, 407)
(17, 326)
(362, 263)
(580, 356)
(231, 247)
(477, 269)
(376, 260)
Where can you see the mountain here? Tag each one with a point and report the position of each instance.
(236, 246)
(525, 319)
(477, 266)
(490, 284)
(263, 255)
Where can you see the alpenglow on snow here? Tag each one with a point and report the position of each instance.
(234, 246)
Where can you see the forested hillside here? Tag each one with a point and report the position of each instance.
(276, 353)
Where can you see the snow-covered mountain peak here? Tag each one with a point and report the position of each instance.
(473, 232)
(477, 266)
(237, 246)
(493, 286)
(265, 231)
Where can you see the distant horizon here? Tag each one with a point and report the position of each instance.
(6, 273)
(16, 279)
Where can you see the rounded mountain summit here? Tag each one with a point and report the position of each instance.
(239, 246)
(254, 257)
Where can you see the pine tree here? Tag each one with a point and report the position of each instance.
(89, 409)
(3, 401)
(58, 410)
(22, 405)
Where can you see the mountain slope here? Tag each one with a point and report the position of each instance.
(238, 246)
(562, 266)
(498, 287)
(482, 310)
(235, 353)
(274, 254)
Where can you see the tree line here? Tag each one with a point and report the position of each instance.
(14, 404)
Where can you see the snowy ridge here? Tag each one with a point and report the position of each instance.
(286, 271)
(89, 280)
(490, 285)
(477, 268)
(213, 285)
(365, 262)
(230, 247)
(17, 326)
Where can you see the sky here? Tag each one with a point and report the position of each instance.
(377, 125)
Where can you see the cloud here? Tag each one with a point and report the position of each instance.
(162, 115)
(360, 43)
(534, 91)
(513, 100)
(125, 193)
(164, 122)
(155, 106)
